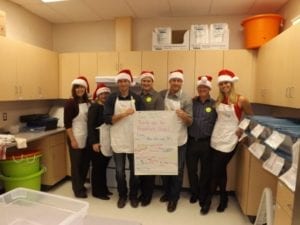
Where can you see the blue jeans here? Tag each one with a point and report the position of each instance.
(172, 184)
(120, 160)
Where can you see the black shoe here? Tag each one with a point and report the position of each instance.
(172, 206)
(122, 203)
(81, 195)
(193, 199)
(145, 201)
(206, 206)
(102, 197)
(163, 198)
(134, 202)
(109, 193)
(222, 206)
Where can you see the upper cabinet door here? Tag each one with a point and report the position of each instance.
(8, 70)
(88, 67)
(68, 71)
(48, 79)
(158, 63)
(184, 60)
(131, 60)
(241, 62)
(28, 72)
(209, 63)
(108, 63)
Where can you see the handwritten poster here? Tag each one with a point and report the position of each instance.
(155, 143)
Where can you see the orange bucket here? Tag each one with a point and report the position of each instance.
(260, 28)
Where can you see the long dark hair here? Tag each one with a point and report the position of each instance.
(84, 98)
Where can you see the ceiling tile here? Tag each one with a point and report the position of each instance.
(148, 9)
(110, 9)
(232, 7)
(266, 6)
(189, 7)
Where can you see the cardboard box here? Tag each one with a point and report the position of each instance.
(2, 23)
(219, 35)
(199, 35)
(179, 40)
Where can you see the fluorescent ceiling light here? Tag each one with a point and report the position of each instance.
(49, 1)
(296, 20)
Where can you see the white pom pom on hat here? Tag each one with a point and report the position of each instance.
(205, 81)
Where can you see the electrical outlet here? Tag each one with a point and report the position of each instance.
(4, 116)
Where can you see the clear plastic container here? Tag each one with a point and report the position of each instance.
(25, 206)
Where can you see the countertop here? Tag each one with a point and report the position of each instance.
(35, 135)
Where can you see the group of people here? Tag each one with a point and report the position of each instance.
(208, 133)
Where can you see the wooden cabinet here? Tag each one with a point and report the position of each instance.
(53, 149)
(68, 70)
(29, 72)
(158, 63)
(108, 63)
(277, 76)
(242, 63)
(251, 180)
(88, 67)
(131, 60)
(8, 65)
(184, 60)
(209, 63)
(284, 205)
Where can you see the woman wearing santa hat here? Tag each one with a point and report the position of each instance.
(152, 101)
(204, 118)
(99, 157)
(75, 120)
(230, 107)
(176, 100)
(118, 110)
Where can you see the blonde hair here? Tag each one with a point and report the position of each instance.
(232, 97)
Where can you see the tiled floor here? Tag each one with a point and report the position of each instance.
(156, 213)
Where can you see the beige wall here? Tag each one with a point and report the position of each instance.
(86, 36)
(100, 36)
(25, 26)
(290, 11)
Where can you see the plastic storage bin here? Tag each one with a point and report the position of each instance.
(20, 164)
(260, 28)
(24, 206)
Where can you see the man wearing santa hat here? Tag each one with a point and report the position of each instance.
(175, 99)
(204, 118)
(75, 121)
(152, 101)
(118, 111)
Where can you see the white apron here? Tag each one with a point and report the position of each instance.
(79, 125)
(104, 131)
(224, 136)
(173, 105)
(121, 133)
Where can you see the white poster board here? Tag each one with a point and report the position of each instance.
(155, 143)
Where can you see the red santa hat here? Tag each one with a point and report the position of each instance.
(101, 88)
(205, 81)
(124, 75)
(227, 76)
(145, 74)
(81, 80)
(178, 74)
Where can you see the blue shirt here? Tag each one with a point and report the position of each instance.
(204, 118)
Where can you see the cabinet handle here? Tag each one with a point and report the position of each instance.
(16, 90)
(287, 92)
(292, 92)
(290, 206)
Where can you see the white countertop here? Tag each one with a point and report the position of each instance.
(32, 136)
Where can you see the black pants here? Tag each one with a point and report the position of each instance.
(147, 186)
(199, 150)
(98, 175)
(172, 184)
(220, 161)
(79, 167)
(120, 160)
